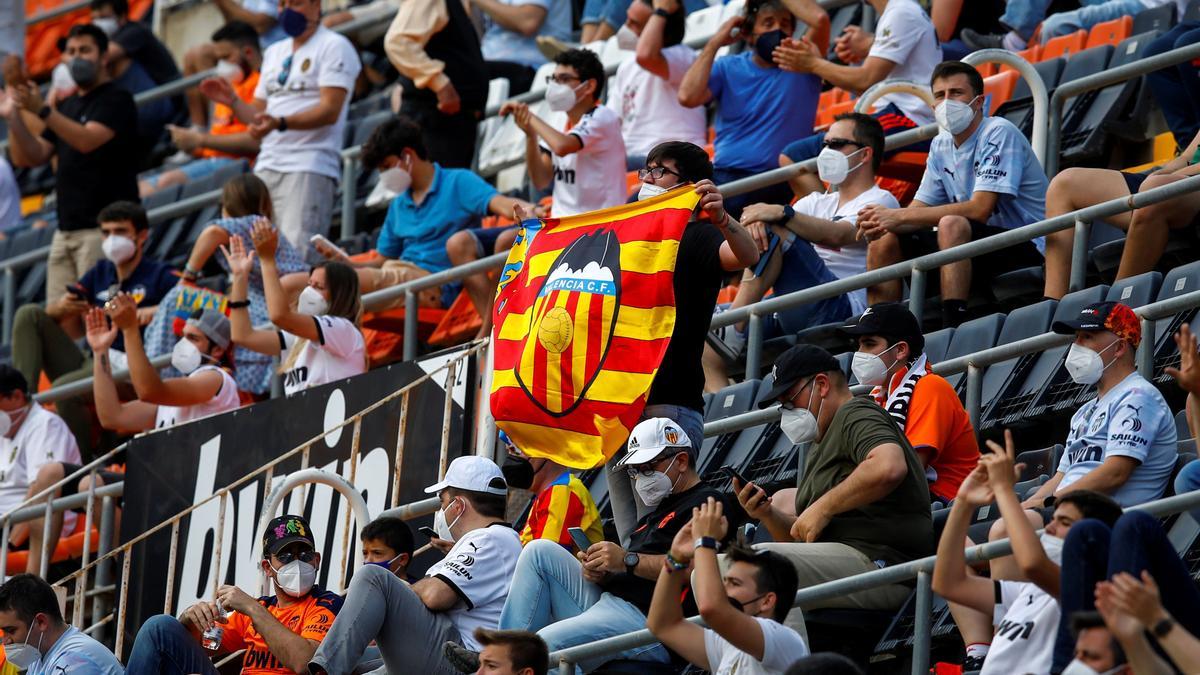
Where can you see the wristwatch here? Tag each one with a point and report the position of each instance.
(44, 112)
(788, 213)
(706, 542)
(1163, 627)
(282, 123)
(631, 561)
(661, 12)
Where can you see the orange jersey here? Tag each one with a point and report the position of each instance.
(937, 425)
(224, 121)
(310, 618)
(564, 504)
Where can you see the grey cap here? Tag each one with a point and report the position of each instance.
(213, 324)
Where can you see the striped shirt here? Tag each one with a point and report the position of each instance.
(563, 504)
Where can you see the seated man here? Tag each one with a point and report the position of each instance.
(464, 591)
(578, 150)
(1096, 648)
(863, 502)
(35, 633)
(1026, 612)
(388, 543)
(1026, 17)
(760, 107)
(1123, 442)
(606, 590)
(512, 652)
(645, 90)
(279, 632)
(819, 239)
(981, 178)
(891, 358)
(560, 500)
(904, 47)
(744, 609)
(432, 203)
(44, 339)
(1147, 228)
(227, 139)
(206, 389)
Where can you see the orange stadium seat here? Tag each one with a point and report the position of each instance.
(1000, 87)
(1064, 45)
(1110, 32)
(460, 323)
(68, 548)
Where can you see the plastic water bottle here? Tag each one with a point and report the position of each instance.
(211, 638)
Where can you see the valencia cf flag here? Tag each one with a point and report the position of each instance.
(583, 314)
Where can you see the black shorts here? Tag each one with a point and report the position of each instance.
(72, 486)
(1134, 182)
(984, 267)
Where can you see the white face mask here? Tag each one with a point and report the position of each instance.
(118, 249)
(8, 420)
(869, 368)
(833, 166)
(185, 357)
(1084, 365)
(1078, 667)
(396, 179)
(232, 72)
(653, 489)
(107, 24)
(295, 578)
(311, 302)
(441, 526)
(626, 38)
(954, 116)
(649, 190)
(561, 97)
(24, 655)
(1053, 546)
(799, 424)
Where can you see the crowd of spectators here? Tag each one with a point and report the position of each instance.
(1099, 590)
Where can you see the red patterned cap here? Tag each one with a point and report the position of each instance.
(1115, 317)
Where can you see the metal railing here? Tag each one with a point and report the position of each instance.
(78, 580)
(1100, 80)
(920, 570)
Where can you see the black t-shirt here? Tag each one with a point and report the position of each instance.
(87, 182)
(141, 46)
(654, 534)
(148, 283)
(697, 281)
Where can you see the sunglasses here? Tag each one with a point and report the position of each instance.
(839, 143)
(286, 71)
(286, 557)
(656, 172)
(562, 78)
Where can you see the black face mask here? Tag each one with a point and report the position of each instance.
(741, 606)
(518, 472)
(85, 72)
(766, 43)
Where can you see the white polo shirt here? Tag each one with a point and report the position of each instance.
(326, 60)
(905, 36)
(1026, 621)
(479, 568)
(43, 438)
(226, 399)
(338, 353)
(594, 177)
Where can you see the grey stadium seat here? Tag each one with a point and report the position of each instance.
(1179, 281)
(973, 336)
(937, 344)
(1003, 379)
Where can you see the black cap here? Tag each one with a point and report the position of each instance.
(890, 320)
(1115, 317)
(794, 365)
(286, 530)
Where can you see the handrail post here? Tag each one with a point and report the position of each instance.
(1079, 249)
(916, 294)
(754, 341)
(974, 393)
(10, 301)
(1037, 88)
(48, 544)
(1145, 351)
(410, 325)
(4, 548)
(99, 605)
(922, 630)
(349, 193)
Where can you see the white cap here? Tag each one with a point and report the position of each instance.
(650, 437)
(474, 474)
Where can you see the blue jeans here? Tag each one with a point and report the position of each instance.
(164, 646)
(1090, 14)
(612, 12)
(627, 507)
(1188, 480)
(549, 595)
(1023, 16)
(1092, 553)
(802, 267)
(1177, 88)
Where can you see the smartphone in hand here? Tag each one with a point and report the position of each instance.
(428, 532)
(321, 239)
(580, 538)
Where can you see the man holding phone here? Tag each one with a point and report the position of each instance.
(44, 339)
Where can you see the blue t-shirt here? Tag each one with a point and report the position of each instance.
(502, 44)
(148, 284)
(759, 110)
(417, 233)
(1131, 420)
(996, 158)
(79, 654)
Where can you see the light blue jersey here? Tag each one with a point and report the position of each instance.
(76, 653)
(996, 158)
(1131, 420)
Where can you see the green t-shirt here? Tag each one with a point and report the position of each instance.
(895, 529)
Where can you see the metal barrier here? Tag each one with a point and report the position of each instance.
(78, 579)
(1037, 88)
(1100, 80)
(920, 570)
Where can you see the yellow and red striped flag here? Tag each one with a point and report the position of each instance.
(584, 311)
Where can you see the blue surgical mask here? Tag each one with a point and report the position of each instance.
(292, 22)
(386, 565)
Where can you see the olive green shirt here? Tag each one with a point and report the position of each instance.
(895, 529)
